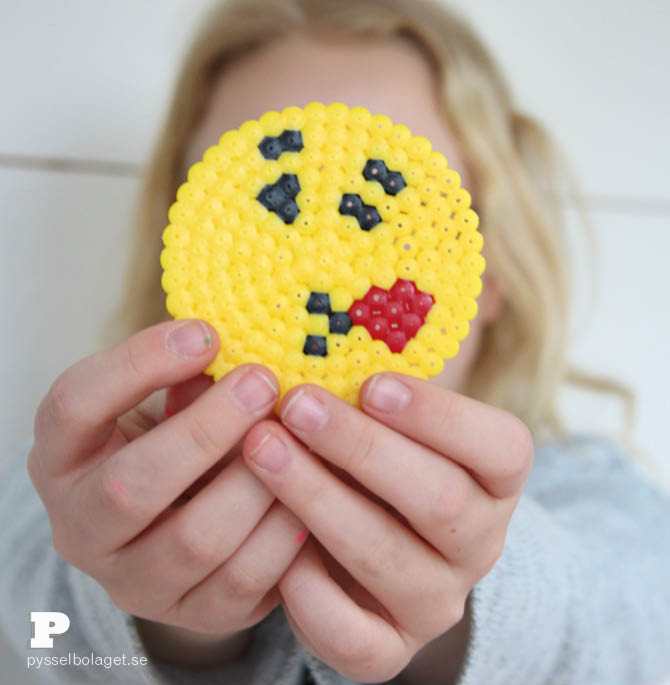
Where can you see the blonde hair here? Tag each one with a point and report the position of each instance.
(521, 182)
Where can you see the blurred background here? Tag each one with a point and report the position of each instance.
(85, 86)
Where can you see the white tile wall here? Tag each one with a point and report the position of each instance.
(621, 328)
(90, 80)
(594, 72)
(63, 260)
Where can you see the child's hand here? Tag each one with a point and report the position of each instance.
(451, 467)
(112, 472)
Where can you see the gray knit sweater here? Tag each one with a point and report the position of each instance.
(580, 596)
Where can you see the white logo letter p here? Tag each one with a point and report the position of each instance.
(47, 623)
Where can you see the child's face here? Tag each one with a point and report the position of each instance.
(388, 76)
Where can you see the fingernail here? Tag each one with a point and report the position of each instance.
(254, 391)
(305, 413)
(189, 340)
(388, 394)
(270, 454)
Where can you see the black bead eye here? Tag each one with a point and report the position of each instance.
(289, 184)
(393, 183)
(376, 170)
(351, 205)
(288, 211)
(291, 141)
(279, 197)
(272, 197)
(367, 216)
(271, 147)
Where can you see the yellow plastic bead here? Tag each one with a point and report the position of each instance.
(403, 225)
(473, 263)
(359, 337)
(338, 345)
(472, 242)
(460, 199)
(414, 174)
(462, 328)
(317, 324)
(428, 190)
(356, 380)
(381, 124)
(388, 208)
(360, 117)
(450, 249)
(252, 130)
(408, 247)
(470, 287)
(315, 366)
(378, 148)
(314, 135)
(271, 123)
(419, 148)
(252, 270)
(399, 135)
(429, 337)
(452, 178)
(335, 384)
(379, 352)
(431, 364)
(427, 280)
(436, 163)
(360, 284)
(343, 274)
(407, 269)
(364, 265)
(385, 276)
(340, 299)
(337, 113)
(298, 294)
(315, 111)
(466, 220)
(276, 328)
(359, 359)
(292, 118)
(374, 195)
(397, 159)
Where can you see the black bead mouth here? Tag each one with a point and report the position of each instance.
(338, 322)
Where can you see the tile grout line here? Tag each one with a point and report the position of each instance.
(596, 202)
(624, 204)
(70, 165)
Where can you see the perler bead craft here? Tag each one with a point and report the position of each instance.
(327, 244)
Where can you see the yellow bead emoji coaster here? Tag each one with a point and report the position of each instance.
(327, 244)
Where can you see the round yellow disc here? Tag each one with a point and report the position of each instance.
(328, 244)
